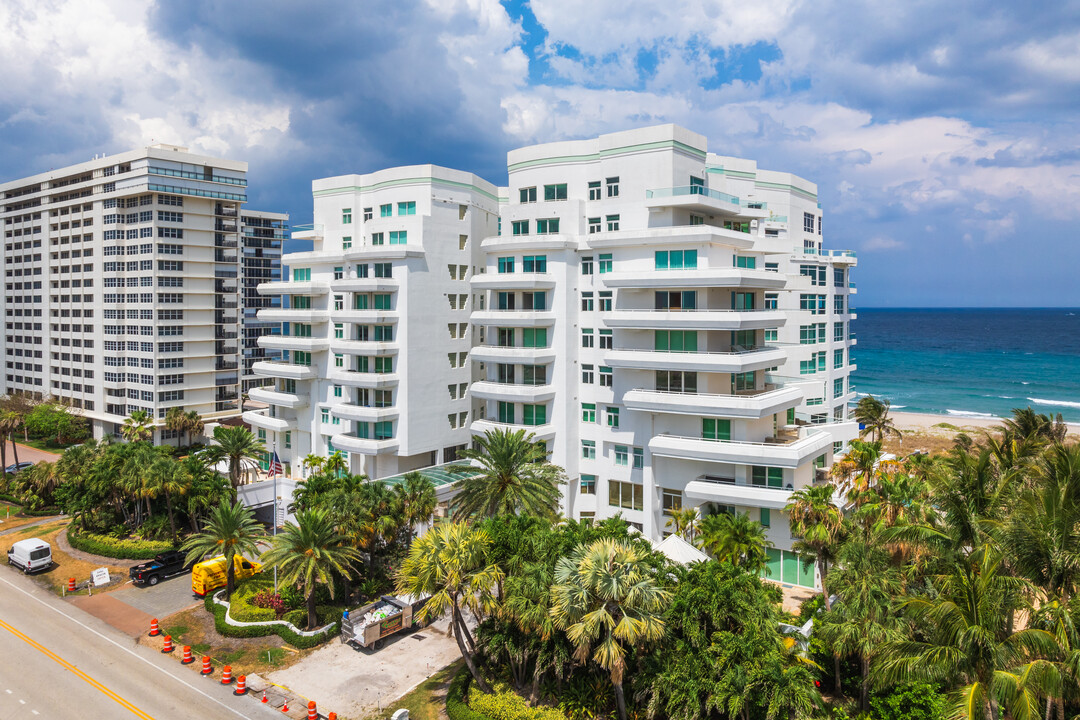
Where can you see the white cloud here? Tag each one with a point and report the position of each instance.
(881, 242)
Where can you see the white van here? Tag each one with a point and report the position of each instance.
(30, 555)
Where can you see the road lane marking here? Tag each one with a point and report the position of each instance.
(138, 657)
(75, 671)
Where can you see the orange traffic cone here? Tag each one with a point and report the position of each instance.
(71, 585)
(312, 713)
(226, 675)
(285, 707)
(188, 658)
(241, 685)
(154, 629)
(264, 698)
(206, 668)
(331, 716)
(168, 645)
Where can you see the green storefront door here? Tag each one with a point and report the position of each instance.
(791, 568)
(772, 564)
(806, 574)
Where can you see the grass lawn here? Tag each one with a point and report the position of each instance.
(43, 444)
(64, 566)
(427, 701)
(9, 519)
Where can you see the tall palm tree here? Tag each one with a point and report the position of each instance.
(449, 564)
(415, 497)
(364, 511)
(335, 464)
(38, 483)
(166, 477)
(9, 423)
(818, 522)
(684, 522)
(176, 420)
(194, 425)
(1027, 424)
(513, 476)
(855, 472)
(207, 487)
(308, 552)
(607, 603)
(314, 463)
(967, 643)
(230, 530)
(873, 415)
(138, 426)
(240, 448)
(735, 538)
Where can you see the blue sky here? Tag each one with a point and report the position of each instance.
(943, 136)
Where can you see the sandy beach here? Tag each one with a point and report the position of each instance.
(925, 431)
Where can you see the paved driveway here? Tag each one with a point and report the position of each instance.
(27, 453)
(167, 597)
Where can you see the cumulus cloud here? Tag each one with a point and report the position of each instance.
(881, 243)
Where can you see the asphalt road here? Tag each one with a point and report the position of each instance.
(167, 597)
(56, 661)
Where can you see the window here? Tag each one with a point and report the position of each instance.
(386, 210)
(605, 263)
(606, 377)
(816, 273)
(337, 391)
(588, 449)
(672, 501)
(696, 220)
(808, 222)
(532, 337)
(384, 365)
(639, 458)
(586, 301)
(838, 304)
(675, 259)
(406, 208)
(339, 272)
(742, 382)
(587, 485)
(813, 303)
(346, 242)
(399, 237)
(594, 189)
(587, 265)
(534, 300)
(527, 195)
(547, 226)
(678, 381)
(378, 238)
(838, 358)
(555, 192)
(301, 358)
(506, 412)
(766, 476)
(612, 416)
(586, 337)
(838, 332)
(675, 340)
(587, 374)
(520, 227)
(381, 301)
(747, 263)
(339, 331)
(612, 222)
(301, 274)
(613, 187)
(382, 270)
(838, 388)
(588, 412)
(346, 216)
(362, 270)
(715, 429)
(534, 414)
(629, 496)
(772, 301)
(676, 300)
(605, 301)
(764, 517)
(384, 333)
(534, 264)
(605, 340)
(534, 374)
(367, 213)
(622, 455)
(506, 265)
(384, 430)
(838, 277)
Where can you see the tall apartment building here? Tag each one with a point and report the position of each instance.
(261, 238)
(375, 322)
(667, 321)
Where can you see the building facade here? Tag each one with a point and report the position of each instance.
(375, 322)
(667, 320)
(261, 238)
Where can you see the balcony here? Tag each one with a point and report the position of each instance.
(221, 348)
(229, 227)
(226, 365)
(728, 492)
(259, 419)
(501, 354)
(678, 235)
(353, 378)
(225, 211)
(378, 252)
(221, 257)
(368, 284)
(363, 347)
(783, 452)
(307, 287)
(514, 318)
(365, 317)
(307, 231)
(275, 397)
(225, 243)
(512, 281)
(300, 315)
(350, 442)
(227, 395)
(725, 362)
(220, 304)
(221, 286)
(293, 342)
(701, 319)
(512, 392)
(725, 277)
(693, 197)
(362, 413)
(758, 404)
(541, 432)
(220, 334)
(221, 318)
(288, 371)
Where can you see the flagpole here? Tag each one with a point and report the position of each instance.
(273, 469)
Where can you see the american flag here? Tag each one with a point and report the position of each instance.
(275, 465)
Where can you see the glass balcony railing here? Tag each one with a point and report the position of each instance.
(692, 190)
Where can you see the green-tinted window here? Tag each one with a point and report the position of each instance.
(339, 360)
(547, 226)
(337, 391)
(767, 476)
(534, 414)
(381, 301)
(520, 227)
(386, 210)
(838, 358)
(301, 274)
(362, 364)
(675, 259)
(639, 458)
(765, 518)
(715, 429)
(748, 263)
(378, 238)
(555, 192)
(791, 568)
(588, 485)
(406, 208)
(588, 449)
(301, 302)
(605, 263)
(622, 455)
(384, 364)
(534, 337)
(301, 358)
(806, 574)
(384, 333)
(506, 265)
(534, 264)
(675, 340)
(346, 242)
(506, 412)
(629, 496)
(772, 563)
(360, 302)
(613, 417)
(346, 216)
(527, 195)
(399, 237)
(588, 412)
(384, 430)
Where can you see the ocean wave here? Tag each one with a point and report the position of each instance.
(972, 414)
(1062, 403)
(898, 407)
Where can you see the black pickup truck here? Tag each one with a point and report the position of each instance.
(154, 571)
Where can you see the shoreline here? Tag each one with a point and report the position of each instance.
(932, 433)
(928, 421)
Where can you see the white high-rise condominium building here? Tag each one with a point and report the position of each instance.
(262, 234)
(667, 321)
(121, 285)
(375, 336)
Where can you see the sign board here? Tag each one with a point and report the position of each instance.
(100, 577)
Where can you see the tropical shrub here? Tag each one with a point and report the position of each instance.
(504, 704)
(123, 549)
(914, 701)
(456, 707)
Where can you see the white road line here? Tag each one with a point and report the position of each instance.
(22, 702)
(127, 650)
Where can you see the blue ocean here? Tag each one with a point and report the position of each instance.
(970, 362)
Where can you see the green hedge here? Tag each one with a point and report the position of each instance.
(505, 704)
(243, 610)
(297, 641)
(113, 548)
(456, 707)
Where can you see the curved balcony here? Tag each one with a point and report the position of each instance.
(365, 317)
(810, 443)
(363, 347)
(511, 392)
(677, 235)
(520, 243)
(256, 418)
(293, 342)
(514, 318)
(704, 319)
(726, 362)
(288, 371)
(349, 442)
(291, 287)
(372, 284)
(727, 277)
(275, 397)
(524, 355)
(352, 378)
(512, 281)
(349, 411)
(292, 315)
(730, 493)
(541, 432)
(749, 405)
(378, 252)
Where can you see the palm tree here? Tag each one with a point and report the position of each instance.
(873, 415)
(207, 487)
(684, 523)
(240, 448)
(138, 426)
(194, 425)
(855, 472)
(308, 552)
(335, 464)
(166, 477)
(607, 603)
(735, 538)
(38, 483)
(9, 423)
(966, 641)
(818, 522)
(176, 420)
(314, 463)
(1026, 424)
(230, 530)
(449, 564)
(514, 476)
(416, 500)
